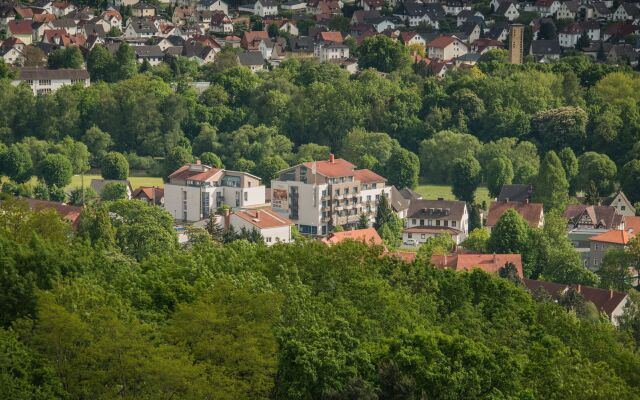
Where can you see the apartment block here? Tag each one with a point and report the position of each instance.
(319, 195)
(195, 190)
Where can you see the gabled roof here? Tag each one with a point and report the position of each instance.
(263, 218)
(441, 42)
(516, 192)
(367, 176)
(99, 184)
(195, 172)
(545, 47)
(606, 301)
(20, 27)
(70, 213)
(632, 224)
(397, 201)
(148, 51)
(332, 169)
(33, 73)
(250, 58)
(613, 236)
(544, 3)
(368, 236)
(504, 7)
(331, 36)
(490, 263)
(426, 209)
(601, 216)
(149, 192)
(531, 212)
(572, 5)
(631, 9)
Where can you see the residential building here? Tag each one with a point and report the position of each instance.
(294, 6)
(251, 39)
(149, 194)
(273, 227)
(44, 81)
(581, 216)
(213, 5)
(367, 236)
(252, 60)
(195, 190)
(262, 8)
(516, 40)
(490, 263)
(609, 302)
(533, 213)
(332, 51)
(508, 11)
(568, 10)
(626, 12)
(20, 29)
(600, 244)
(547, 8)
(516, 192)
(412, 38)
(152, 54)
(65, 211)
(621, 203)
(446, 48)
(545, 50)
(98, 185)
(143, 10)
(429, 218)
(320, 195)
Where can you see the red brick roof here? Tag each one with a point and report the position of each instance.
(531, 212)
(263, 218)
(367, 176)
(331, 36)
(335, 168)
(369, 236)
(20, 27)
(70, 213)
(148, 192)
(490, 263)
(632, 224)
(612, 236)
(441, 42)
(184, 173)
(406, 256)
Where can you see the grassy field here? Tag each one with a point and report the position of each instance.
(136, 181)
(436, 191)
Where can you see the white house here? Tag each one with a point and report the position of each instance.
(429, 218)
(44, 81)
(213, 5)
(626, 12)
(446, 48)
(262, 8)
(273, 227)
(568, 10)
(508, 10)
(333, 51)
(195, 190)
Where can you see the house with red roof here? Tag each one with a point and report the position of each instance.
(149, 194)
(533, 213)
(446, 48)
(430, 218)
(490, 263)
(319, 195)
(368, 236)
(273, 227)
(607, 301)
(21, 29)
(195, 190)
(251, 39)
(65, 211)
(615, 239)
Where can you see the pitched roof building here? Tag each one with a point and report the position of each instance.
(533, 213)
(368, 236)
(491, 263)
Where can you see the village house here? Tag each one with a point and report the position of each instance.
(368, 236)
(446, 48)
(581, 216)
(45, 81)
(621, 203)
(152, 195)
(568, 10)
(490, 263)
(533, 213)
(626, 12)
(273, 228)
(508, 11)
(213, 5)
(143, 10)
(547, 8)
(151, 54)
(195, 190)
(320, 195)
(429, 218)
(252, 60)
(20, 29)
(545, 50)
(600, 244)
(262, 8)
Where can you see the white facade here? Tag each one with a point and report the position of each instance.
(43, 81)
(271, 235)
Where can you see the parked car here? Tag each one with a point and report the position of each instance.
(410, 242)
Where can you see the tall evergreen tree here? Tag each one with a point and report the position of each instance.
(465, 177)
(384, 212)
(215, 230)
(551, 185)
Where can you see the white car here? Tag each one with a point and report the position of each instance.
(410, 242)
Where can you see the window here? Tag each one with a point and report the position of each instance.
(377, 197)
(413, 221)
(205, 204)
(374, 185)
(423, 236)
(246, 196)
(268, 239)
(337, 192)
(410, 235)
(437, 222)
(346, 190)
(45, 82)
(596, 261)
(446, 222)
(430, 222)
(324, 192)
(369, 197)
(355, 189)
(421, 222)
(453, 223)
(622, 208)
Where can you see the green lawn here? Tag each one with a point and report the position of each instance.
(136, 181)
(432, 192)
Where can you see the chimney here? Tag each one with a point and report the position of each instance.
(495, 259)
(197, 162)
(526, 201)
(332, 158)
(610, 294)
(579, 288)
(257, 214)
(506, 199)
(227, 218)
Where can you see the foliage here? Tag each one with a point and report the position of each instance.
(55, 169)
(499, 173)
(382, 53)
(465, 176)
(477, 241)
(114, 191)
(114, 166)
(552, 186)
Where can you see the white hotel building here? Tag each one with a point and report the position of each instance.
(317, 196)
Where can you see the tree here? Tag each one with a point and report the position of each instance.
(499, 172)
(583, 41)
(551, 185)
(560, 127)
(477, 241)
(95, 226)
(403, 168)
(17, 164)
(438, 245)
(125, 61)
(363, 221)
(510, 272)
(465, 178)
(570, 165)
(601, 56)
(100, 64)
(382, 53)
(547, 30)
(273, 30)
(614, 272)
(269, 167)
(437, 153)
(114, 166)
(630, 180)
(67, 57)
(114, 191)
(383, 212)
(312, 152)
(209, 158)
(177, 157)
(510, 234)
(56, 169)
(78, 197)
(34, 57)
(597, 168)
(98, 142)
(214, 229)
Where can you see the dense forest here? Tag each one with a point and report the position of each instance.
(119, 310)
(502, 116)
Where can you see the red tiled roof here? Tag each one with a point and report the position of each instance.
(339, 167)
(369, 236)
(263, 218)
(331, 36)
(407, 256)
(148, 192)
(70, 213)
(407, 36)
(612, 236)
(441, 42)
(184, 173)
(490, 263)
(21, 27)
(531, 212)
(632, 224)
(367, 176)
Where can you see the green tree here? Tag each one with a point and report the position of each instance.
(465, 178)
(403, 168)
(437, 153)
(477, 241)
(56, 169)
(115, 166)
(363, 221)
(597, 168)
(560, 127)
(630, 180)
(614, 272)
(98, 142)
(214, 228)
(100, 64)
(269, 167)
(384, 212)
(499, 172)
(209, 158)
(570, 164)
(125, 62)
(17, 164)
(510, 234)
(67, 57)
(382, 53)
(551, 185)
(177, 157)
(114, 191)
(95, 226)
